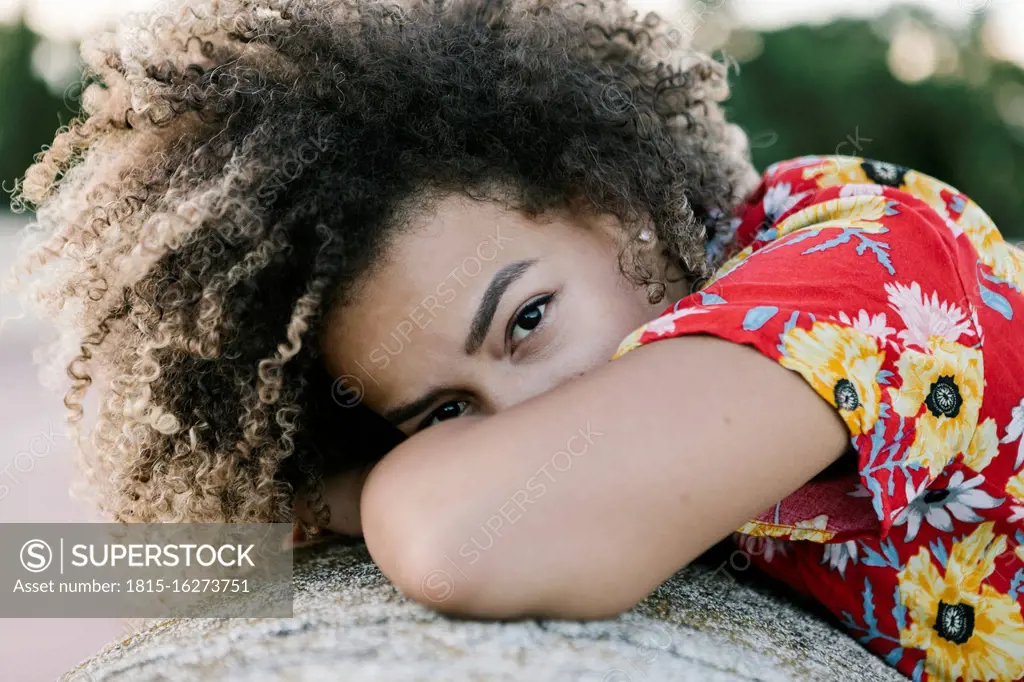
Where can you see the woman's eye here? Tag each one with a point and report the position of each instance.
(449, 410)
(528, 319)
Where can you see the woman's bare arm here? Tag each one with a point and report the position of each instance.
(579, 502)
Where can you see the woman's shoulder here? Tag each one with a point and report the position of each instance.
(798, 193)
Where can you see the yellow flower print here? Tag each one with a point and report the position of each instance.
(842, 365)
(1015, 489)
(1015, 486)
(1005, 260)
(928, 190)
(967, 629)
(837, 170)
(629, 343)
(728, 266)
(947, 382)
(762, 530)
(814, 530)
(984, 446)
(662, 325)
(862, 211)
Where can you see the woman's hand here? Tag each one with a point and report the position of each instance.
(341, 494)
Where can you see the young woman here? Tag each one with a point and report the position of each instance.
(365, 265)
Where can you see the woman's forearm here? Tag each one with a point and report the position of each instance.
(579, 502)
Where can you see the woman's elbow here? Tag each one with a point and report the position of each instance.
(405, 533)
(413, 558)
(410, 549)
(415, 528)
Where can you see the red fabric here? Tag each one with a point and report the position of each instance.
(895, 297)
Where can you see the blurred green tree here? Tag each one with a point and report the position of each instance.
(829, 89)
(29, 111)
(808, 90)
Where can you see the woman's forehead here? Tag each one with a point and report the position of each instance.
(419, 305)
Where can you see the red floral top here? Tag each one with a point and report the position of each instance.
(895, 297)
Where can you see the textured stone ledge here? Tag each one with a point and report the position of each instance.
(351, 624)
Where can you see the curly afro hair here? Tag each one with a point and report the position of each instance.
(240, 164)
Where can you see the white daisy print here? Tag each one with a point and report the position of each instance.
(1014, 431)
(958, 498)
(779, 199)
(838, 554)
(953, 227)
(666, 324)
(854, 189)
(873, 325)
(887, 172)
(977, 323)
(926, 316)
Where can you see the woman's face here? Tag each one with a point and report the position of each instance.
(477, 307)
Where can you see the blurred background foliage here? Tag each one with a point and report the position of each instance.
(903, 87)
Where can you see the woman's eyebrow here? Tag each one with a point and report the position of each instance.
(500, 283)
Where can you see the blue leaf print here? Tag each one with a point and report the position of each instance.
(898, 438)
(918, 671)
(998, 280)
(870, 627)
(996, 302)
(801, 235)
(869, 607)
(840, 239)
(876, 499)
(899, 611)
(758, 317)
(883, 377)
(894, 656)
(877, 439)
(711, 299)
(878, 248)
(848, 622)
(1017, 584)
(871, 557)
(790, 323)
(891, 555)
(887, 559)
(889, 207)
(894, 450)
(939, 551)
